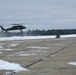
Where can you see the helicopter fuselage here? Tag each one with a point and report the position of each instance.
(17, 27)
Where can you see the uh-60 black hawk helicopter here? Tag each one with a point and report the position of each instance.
(15, 27)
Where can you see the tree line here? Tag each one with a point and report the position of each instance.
(38, 32)
(51, 32)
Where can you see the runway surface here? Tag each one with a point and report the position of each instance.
(41, 57)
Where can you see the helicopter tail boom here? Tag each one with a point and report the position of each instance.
(2, 28)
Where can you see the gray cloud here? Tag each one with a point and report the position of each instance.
(47, 14)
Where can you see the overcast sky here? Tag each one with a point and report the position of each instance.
(39, 14)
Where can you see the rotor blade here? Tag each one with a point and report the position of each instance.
(14, 24)
(18, 24)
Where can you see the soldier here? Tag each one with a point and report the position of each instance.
(57, 36)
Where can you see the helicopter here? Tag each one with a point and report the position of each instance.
(15, 27)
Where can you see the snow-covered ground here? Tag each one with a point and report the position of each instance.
(4, 65)
(67, 36)
(34, 37)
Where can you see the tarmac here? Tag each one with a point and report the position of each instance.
(43, 57)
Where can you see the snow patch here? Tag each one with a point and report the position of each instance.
(34, 37)
(72, 63)
(13, 45)
(28, 53)
(38, 47)
(6, 49)
(1, 47)
(4, 65)
(0, 52)
(22, 53)
(67, 36)
(38, 51)
(25, 37)
(57, 44)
